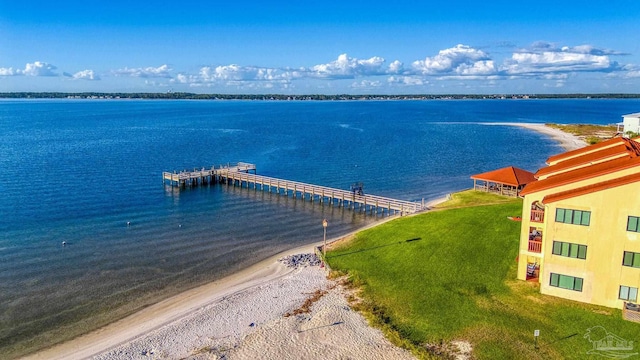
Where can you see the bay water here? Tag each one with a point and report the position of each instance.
(79, 170)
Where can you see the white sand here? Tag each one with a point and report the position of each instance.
(240, 317)
(331, 331)
(566, 140)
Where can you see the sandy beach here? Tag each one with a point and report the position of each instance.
(240, 317)
(252, 314)
(567, 141)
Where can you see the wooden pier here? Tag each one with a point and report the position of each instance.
(240, 175)
(204, 176)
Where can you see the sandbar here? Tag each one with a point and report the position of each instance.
(567, 141)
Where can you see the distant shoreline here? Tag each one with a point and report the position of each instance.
(300, 97)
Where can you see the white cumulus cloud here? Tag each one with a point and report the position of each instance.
(39, 68)
(630, 71)
(544, 58)
(346, 67)
(366, 84)
(406, 80)
(239, 73)
(232, 74)
(396, 67)
(239, 76)
(561, 76)
(458, 60)
(7, 72)
(482, 67)
(86, 75)
(161, 71)
(541, 61)
(36, 68)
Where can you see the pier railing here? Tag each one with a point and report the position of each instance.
(203, 176)
(239, 175)
(319, 192)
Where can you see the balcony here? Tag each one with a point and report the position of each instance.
(535, 240)
(535, 245)
(537, 216)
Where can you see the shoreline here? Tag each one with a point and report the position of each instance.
(124, 332)
(169, 310)
(129, 330)
(567, 141)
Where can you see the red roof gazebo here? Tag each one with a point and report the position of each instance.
(507, 181)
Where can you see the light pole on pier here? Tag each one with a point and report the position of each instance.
(325, 223)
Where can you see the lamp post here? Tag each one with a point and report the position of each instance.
(325, 223)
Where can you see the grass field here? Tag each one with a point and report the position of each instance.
(450, 275)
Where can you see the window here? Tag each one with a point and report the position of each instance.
(569, 250)
(576, 217)
(631, 259)
(566, 282)
(628, 293)
(633, 223)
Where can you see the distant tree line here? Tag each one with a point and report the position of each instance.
(192, 96)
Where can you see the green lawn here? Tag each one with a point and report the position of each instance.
(450, 275)
(471, 197)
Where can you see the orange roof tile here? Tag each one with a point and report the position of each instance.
(629, 179)
(622, 150)
(584, 150)
(579, 174)
(635, 145)
(509, 175)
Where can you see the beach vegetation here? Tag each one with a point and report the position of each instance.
(592, 140)
(632, 134)
(590, 133)
(305, 308)
(450, 275)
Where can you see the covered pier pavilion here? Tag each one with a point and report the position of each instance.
(508, 181)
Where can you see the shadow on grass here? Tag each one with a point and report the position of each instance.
(375, 247)
(564, 338)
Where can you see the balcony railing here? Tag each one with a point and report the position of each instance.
(631, 312)
(537, 216)
(535, 246)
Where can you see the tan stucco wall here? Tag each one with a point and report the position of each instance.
(606, 238)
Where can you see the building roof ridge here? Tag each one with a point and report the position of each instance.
(583, 173)
(612, 152)
(588, 189)
(583, 150)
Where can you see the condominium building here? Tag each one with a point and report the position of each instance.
(631, 123)
(580, 235)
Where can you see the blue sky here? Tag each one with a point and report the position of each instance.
(289, 47)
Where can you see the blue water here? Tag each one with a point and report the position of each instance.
(79, 170)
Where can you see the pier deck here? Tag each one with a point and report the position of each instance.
(240, 175)
(204, 176)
